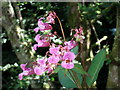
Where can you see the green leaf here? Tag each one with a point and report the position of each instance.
(66, 79)
(79, 69)
(95, 67)
(75, 50)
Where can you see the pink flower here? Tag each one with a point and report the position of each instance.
(39, 70)
(35, 46)
(44, 26)
(37, 38)
(42, 41)
(43, 44)
(49, 69)
(71, 44)
(54, 50)
(42, 62)
(79, 38)
(23, 66)
(36, 29)
(80, 30)
(26, 71)
(53, 59)
(51, 17)
(69, 56)
(67, 65)
(53, 14)
(20, 76)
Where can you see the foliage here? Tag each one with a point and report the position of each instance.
(89, 11)
(95, 67)
(11, 81)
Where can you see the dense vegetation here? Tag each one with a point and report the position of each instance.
(99, 25)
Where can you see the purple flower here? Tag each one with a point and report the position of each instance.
(67, 65)
(43, 44)
(79, 38)
(54, 50)
(20, 76)
(42, 41)
(39, 70)
(36, 29)
(37, 38)
(71, 44)
(53, 59)
(49, 69)
(50, 19)
(26, 71)
(35, 46)
(23, 66)
(44, 26)
(42, 62)
(69, 56)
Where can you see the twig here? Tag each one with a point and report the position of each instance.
(77, 79)
(97, 43)
(96, 35)
(61, 27)
(73, 78)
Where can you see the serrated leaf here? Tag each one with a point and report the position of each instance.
(95, 67)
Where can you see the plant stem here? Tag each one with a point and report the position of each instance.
(77, 79)
(61, 27)
(83, 64)
(73, 78)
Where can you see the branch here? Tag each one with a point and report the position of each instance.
(96, 35)
(97, 43)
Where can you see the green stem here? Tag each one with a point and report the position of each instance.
(77, 79)
(83, 64)
(73, 78)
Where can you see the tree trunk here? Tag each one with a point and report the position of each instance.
(15, 33)
(114, 69)
(73, 15)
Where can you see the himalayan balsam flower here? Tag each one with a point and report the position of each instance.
(44, 26)
(39, 70)
(79, 35)
(67, 65)
(36, 29)
(71, 44)
(57, 53)
(54, 50)
(69, 56)
(42, 62)
(26, 71)
(51, 17)
(42, 41)
(53, 59)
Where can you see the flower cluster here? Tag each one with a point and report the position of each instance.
(79, 35)
(38, 68)
(57, 55)
(63, 54)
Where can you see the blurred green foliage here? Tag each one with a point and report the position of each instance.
(10, 77)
